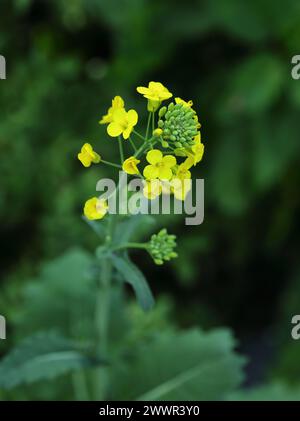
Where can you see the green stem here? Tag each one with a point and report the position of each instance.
(121, 150)
(138, 135)
(79, 384)
(111, 164)
(148, 125)
(153, 121)
(131, 245)
(102, 319)
(145, 146)
(132, 144)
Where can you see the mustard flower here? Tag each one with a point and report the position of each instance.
(185, 103)
(160, 166)
(195, 154)
(123, 123)
(182, 171)
(152, 189)
(130, 165)
(87, 155)
(116, 104)
(156, 92)
(180, 187)
(95, 208)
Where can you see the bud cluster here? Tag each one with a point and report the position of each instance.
(178, 124)
(161, 247)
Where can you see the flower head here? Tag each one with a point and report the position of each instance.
(95, 208)
(185, 103)
(180, 187)
(195, 153)
(178, 125)
(87, 155)
(152, 189)
(130, 165)
(160, 166)
(156, 92)
(122, 122)
(116, 104)
(182, 171)
(161, 247)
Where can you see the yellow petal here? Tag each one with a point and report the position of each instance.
(84, 159)
(132, 117)
(142, 90)
(117, 102)
(169, 161)
(114, 129)
(95, 208)
(152, 189)
(130, 165)
(154, 156)
(127, 132)
(165, 173)
(150, 172)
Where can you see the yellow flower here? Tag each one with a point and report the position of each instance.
(95, 208)
(155, 93)
(130, 165)
(180, 188)
(123, 123)
(185, 103)
(116, 104)
(182, 172)
(152, 189)
(195, 155)
(160, 166)
(88, 155)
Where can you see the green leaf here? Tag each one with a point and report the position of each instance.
(42, 356)
(191, 365)
(52, 299)
(275, 391)
(133, 276)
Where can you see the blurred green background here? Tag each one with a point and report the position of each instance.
(66, 60)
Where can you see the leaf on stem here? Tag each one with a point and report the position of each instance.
(44, 355)
(133, 276)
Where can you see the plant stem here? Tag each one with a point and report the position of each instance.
(132, 144)
(111, 164)
(148, 125)
(102, 319)
(80, 387)
(145, 145)
(121, 150)
(131, 245)
(153, 120)
(139, 135)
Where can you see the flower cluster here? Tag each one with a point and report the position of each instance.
(169, 149)
(161, 247)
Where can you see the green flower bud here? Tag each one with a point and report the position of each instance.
(161, 247)
(162, 111)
